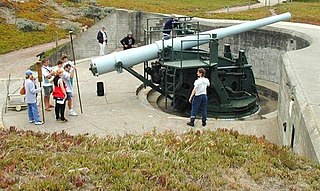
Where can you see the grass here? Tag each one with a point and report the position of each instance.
(187, 7)
(12, 39)
(153, 161)
(302, 12)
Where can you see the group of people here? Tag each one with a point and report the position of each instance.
(127, 42)
(57, 82)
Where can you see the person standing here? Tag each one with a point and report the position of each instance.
(31, 98)
(198, 97)
(102, 39)
(58, 66)
(67, 76)
(128, 41)
(65, 59)
(167, 27)
(47, 77)
(60, 95)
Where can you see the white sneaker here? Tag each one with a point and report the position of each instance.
(38, 123)
(72, 113)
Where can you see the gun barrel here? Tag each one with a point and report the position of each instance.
(131, 57)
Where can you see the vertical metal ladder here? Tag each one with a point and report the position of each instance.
(170, 83)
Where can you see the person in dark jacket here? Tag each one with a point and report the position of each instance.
(128, 41)
(167, 27)
(102, 39)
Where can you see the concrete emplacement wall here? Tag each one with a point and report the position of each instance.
(278, 53)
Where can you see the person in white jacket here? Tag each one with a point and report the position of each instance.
(31, 98)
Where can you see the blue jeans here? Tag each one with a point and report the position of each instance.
(199, 101)
(33, 112)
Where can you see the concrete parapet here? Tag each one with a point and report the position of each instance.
(299, 95)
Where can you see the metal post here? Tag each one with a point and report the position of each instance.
(76, 73)
(56, 39)
(39, 70)
(8, 89)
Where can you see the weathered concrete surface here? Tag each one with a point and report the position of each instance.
(299, 94)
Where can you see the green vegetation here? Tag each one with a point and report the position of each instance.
(12, 39)
(166, 161)
(302, 12)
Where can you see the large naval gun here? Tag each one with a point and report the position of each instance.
(232, 93)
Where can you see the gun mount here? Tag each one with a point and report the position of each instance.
(232, 92)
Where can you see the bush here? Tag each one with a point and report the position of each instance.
(96, 13)
(27, 25)
(84, 21)
(71, 26)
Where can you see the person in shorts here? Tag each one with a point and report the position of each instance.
(47, 77)
(67, 76)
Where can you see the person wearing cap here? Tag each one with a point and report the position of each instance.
(102, 39)
(31, 98)
(128, 41)
(167, 27)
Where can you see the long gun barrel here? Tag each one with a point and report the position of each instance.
(131, 57)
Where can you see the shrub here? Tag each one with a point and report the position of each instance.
(71, 26)
(27, 25)
(95, 12)
(85, 21)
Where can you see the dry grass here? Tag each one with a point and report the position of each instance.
(187, 7)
